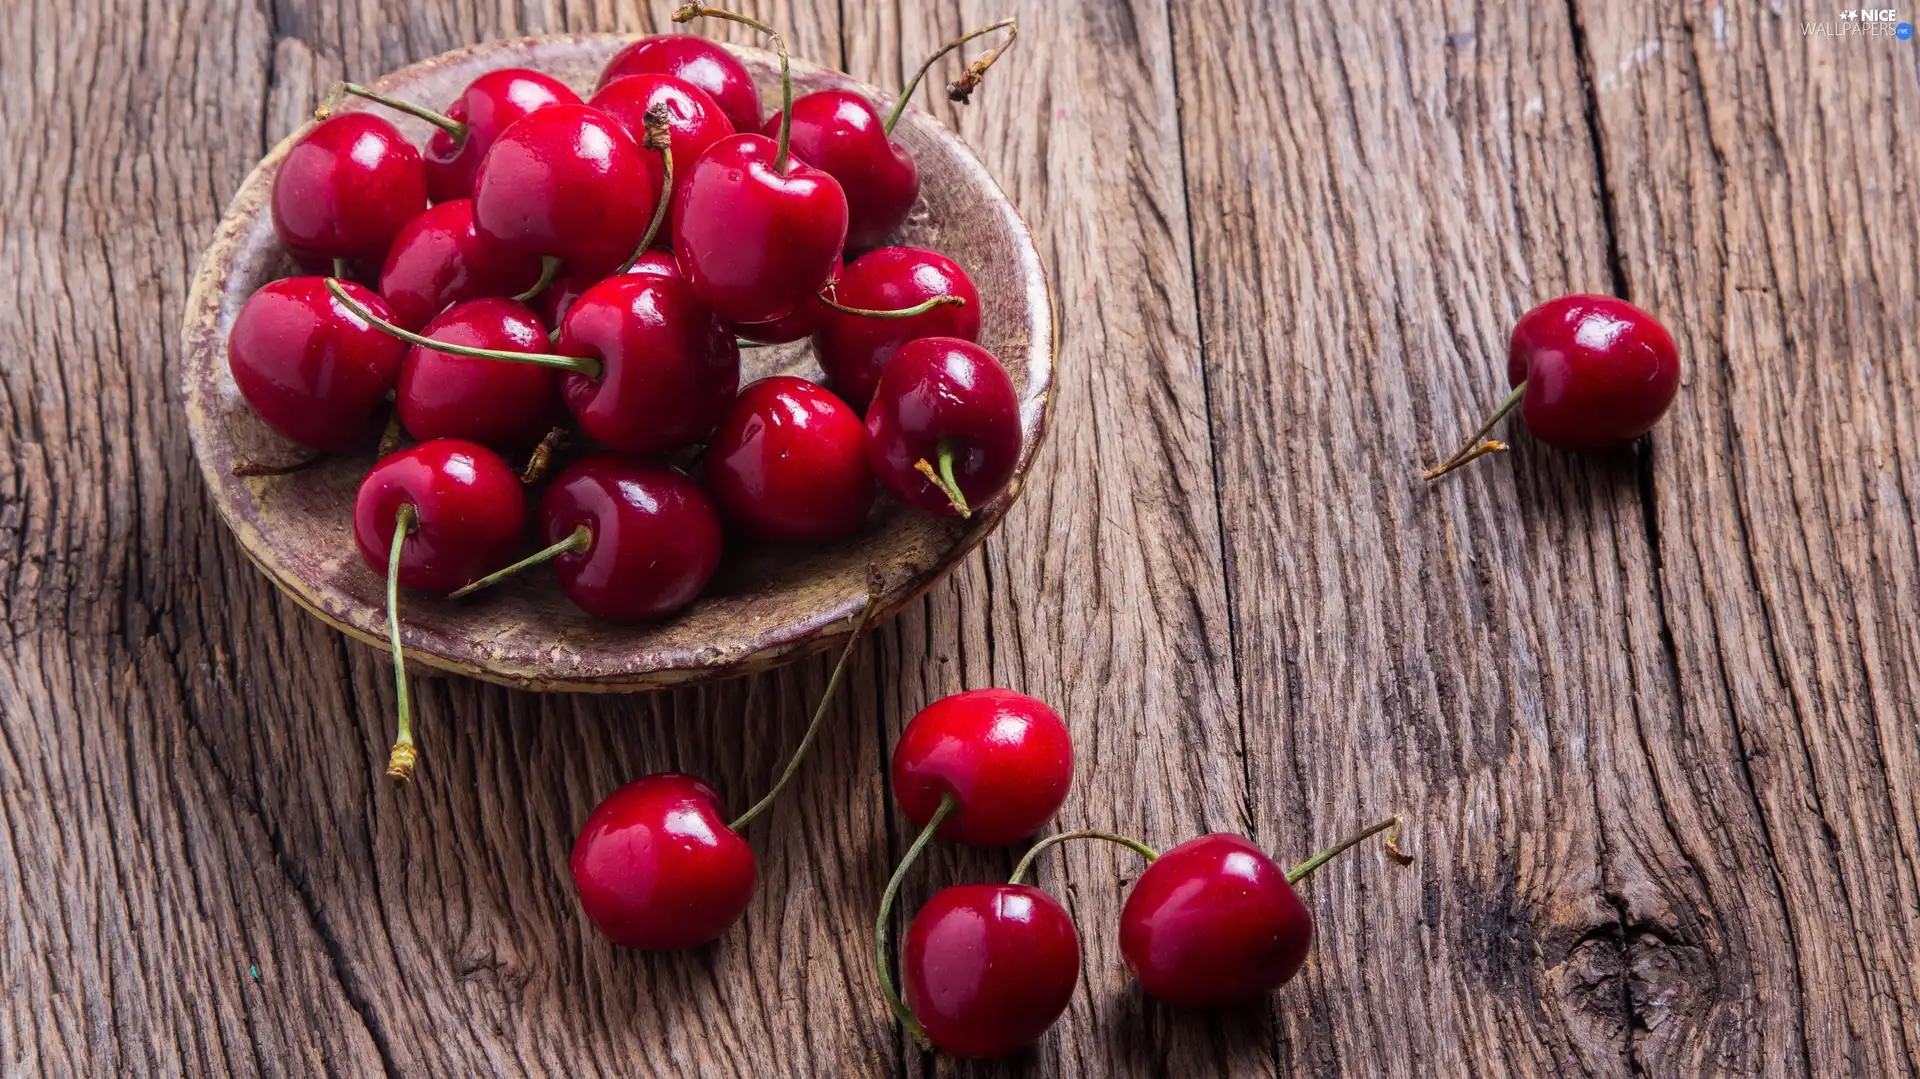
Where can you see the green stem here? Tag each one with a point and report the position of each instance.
(697, 11)
(900, 1009)
(401, 760)
(445, 123)
(920, 308)
(342, 267)
(900, 105)
(549, 269)
(819, 714)
(1297, 872)
(942, 477)
(1474, 448)
(1020, 870)
(579, 365)
(659, 137)
(578, 540)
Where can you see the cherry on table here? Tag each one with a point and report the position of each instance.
(669, 368)
(503, 405)
(346, 188)
(987, 968)
(853, 347)
(789, 462)
(1589, 373)
(991, 766)
(703, 64)
(311, 367)
(434, 517)
(438, 260)
(943, 429)
(693, 121)
(567, 182)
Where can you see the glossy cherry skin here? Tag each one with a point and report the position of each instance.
(347, 188)
(694, 122)
(796, 325)
(438, 260)
(753, 242)
(987, 968)
(789, 462)
(1213, 922)
(657, 867)
(852, 349)
(310, 368)
(940, 389)
(840, 133)
(562, 292)
(1600, 372)
(493, 402)
(471, 508)
(489, 105)
(1005, 757)
(655, 537)
(670, 368)
(700, 63)
(569, 182)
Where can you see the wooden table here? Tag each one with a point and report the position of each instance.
(1651, 717)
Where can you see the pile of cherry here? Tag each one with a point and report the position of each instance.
(552, 272)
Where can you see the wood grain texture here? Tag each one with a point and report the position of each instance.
(1652, 716)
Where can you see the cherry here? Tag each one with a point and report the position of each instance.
(693, 120)
(841, 133)
(943, 430)
(993, 764)
(311, 367)
(438, 260)
(789, 462)
(989, 967)
(558, 298)
(670, 368)
(346, 189)
(1589, 373)
(657, 865)
(506, 405)
(434, 517)
(705, 65)
(853, 348)
(1215, 922)
(567, 182)
(489, 105)
(757, 230)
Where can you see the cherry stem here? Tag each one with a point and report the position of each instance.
(579, 365)
(943, 478)
(974, 71)
(899, 1006)
(578, 540)
(390, 436)
(1477, 444)
(819, 712)
(1020, 870)
(698, 11)
(549, 269)
(401, 760)
(659, 137)
(440, 120)
(1295, 874)
(542, 457)
(255, 470)
(342, 267)
(920, 308)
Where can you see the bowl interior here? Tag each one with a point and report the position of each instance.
(768, 602)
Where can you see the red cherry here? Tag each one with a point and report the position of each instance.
(631, 541)
(943, 431)
(1003, 759)
(567, 182)
(796, 325)
(509, 405)
(1214, 922)
(1589, 373)
(558, 298)
(488, 106)
(439, 260)
(989, 967)
(703, 64)
(311, 368)
(347, 188)
(657, 866)
(853, 348)
(670, 369)
(469, 509)
(757, 236)
(694, 122)
(789, 462)
(840, 133)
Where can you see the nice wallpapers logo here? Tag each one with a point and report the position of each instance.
(1862, 22)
